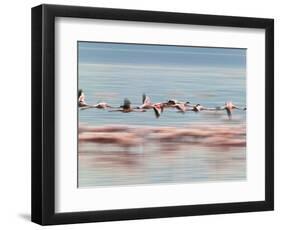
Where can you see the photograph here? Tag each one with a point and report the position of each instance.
(141, 114)
(151, 114)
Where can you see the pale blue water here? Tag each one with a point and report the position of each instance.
(160, 86)
(209, 76)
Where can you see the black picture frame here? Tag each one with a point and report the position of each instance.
(43, 114)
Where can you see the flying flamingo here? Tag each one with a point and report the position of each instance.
(81, 99)
(127, 108)
(101, 105)
(147, 104)
(158, 109)
(229, 107)
(181, 106)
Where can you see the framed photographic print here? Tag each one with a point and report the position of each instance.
(142, 114)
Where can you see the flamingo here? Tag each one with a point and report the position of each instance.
(81, 99)
(229, 107)
(100, 105)
(158, 109)
(146, 103)
(173, 102)
(181, 106)
(83, 105)
(127, 108)
(198, 108)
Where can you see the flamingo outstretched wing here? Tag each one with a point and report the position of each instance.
(127, 104)
(145, 99)
(157, 112)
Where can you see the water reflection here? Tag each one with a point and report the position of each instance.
(130, 155)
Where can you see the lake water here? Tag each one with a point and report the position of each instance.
(209, 81)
